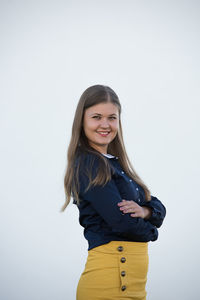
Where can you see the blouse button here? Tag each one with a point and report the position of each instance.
(122, 172)
(123, 287)
(139, 200)
(130, 180)
(137, 189)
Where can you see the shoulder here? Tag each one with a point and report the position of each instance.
(85, 159)
(87, 164)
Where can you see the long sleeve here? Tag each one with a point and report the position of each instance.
(158, 211)
(104, 200)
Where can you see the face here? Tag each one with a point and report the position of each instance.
(100, 124)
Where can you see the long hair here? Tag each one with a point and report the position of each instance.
(91, 96)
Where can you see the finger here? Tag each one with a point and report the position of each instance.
(124, 207)
(128, 205)
(125, 203)
(129, 210)
(122, 202)
(134, 215)
(130, 202)
(137, 215)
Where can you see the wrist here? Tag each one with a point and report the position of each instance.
(147, 212)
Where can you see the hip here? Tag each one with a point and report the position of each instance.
(115, 270)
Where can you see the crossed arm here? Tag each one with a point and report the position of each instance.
(153, 211)
(129, 206)
(107, 201)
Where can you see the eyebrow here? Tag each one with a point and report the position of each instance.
(101, 114)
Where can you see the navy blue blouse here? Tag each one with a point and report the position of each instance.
(101, 217)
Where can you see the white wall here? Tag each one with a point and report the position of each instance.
(51, 51)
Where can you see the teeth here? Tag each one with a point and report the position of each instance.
(103, 133)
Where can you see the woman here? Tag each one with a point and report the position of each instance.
(116, 209)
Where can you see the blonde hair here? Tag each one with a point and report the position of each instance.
(91, 96)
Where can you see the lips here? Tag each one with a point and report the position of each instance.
(103, 133)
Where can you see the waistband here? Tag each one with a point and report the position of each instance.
(122, 247)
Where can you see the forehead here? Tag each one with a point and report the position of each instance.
(107, 108)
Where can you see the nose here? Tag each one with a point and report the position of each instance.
(104, 123)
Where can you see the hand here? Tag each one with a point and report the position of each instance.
(129, 206)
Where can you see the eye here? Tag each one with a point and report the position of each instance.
(112, 118)
(96, 117)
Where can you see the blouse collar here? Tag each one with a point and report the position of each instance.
(109, 155)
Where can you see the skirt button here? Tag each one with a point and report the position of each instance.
(120, 248)
(123, 287)
(123, 259)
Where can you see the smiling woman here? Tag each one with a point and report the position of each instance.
(116, 209)
(101, 123)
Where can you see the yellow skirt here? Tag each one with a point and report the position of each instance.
(115, 271)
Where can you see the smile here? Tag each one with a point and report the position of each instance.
(103, 133)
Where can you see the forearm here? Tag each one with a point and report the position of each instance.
(158, 211)
(147, 212)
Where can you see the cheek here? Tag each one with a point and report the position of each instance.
(85, 127)
(88, 126)
(115, 127)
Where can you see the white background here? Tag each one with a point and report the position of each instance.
(51, 51)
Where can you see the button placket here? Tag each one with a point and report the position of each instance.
(138, 199)
(122, 270)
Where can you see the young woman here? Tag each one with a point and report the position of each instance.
(116, 209)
